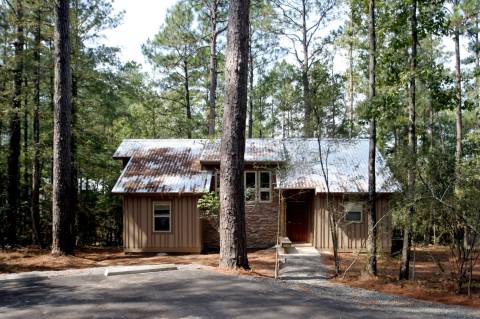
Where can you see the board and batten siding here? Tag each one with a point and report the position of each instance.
(138, 234)
(351, 236)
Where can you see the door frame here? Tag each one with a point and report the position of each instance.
(299, 195)
(306, 220)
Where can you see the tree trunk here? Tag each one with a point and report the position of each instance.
(62, 117)
(26, 160)
(212, 94)
(233, 246)
(430, 125)
(412, 147)
(187, 99)
(307, 131)
(350, 76)
(250, 91)
(372, 195)
(477, 68)
(14, 142)
(35, 204)
(74, 165)
(458, 88)
(75, 52)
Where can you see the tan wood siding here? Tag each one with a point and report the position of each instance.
(351, 236)
(138, 234)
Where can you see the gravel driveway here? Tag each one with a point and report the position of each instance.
(198, 292)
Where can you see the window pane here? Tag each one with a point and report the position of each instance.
(250, 194)
(161, 209)
(162, 223)
(250, 180)
(158, 211)
(264, 179)
(217, 180)
(353, 216)
(265, 196)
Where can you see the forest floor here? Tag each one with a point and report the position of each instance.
(430, 282)
(262, 262)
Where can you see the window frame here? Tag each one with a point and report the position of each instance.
(264, 189)
(169, 204)
(350, 207)
(217, 183)
(254, 189)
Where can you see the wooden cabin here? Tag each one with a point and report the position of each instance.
(294, 187)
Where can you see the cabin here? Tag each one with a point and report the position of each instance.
(293, 188)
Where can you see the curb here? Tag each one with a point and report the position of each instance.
(127, 270)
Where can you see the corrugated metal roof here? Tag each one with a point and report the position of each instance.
(256, 150)
(128, 147)
(162, 166)
(345, 162)
(173, 165)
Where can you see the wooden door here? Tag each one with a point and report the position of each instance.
(297, 222)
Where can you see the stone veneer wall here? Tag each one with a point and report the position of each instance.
(261, 222)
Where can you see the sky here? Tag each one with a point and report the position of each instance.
(142, 20)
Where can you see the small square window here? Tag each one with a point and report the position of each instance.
(162, 215)
(250, 186)
(265, 180)
(250, 181)
(250, 194)
(353, 216)
(265, 190)
(265, 196)
(353, 212)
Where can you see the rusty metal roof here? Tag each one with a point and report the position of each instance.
(345, 164)
(256, 150)
(162, 166)
(174, 165)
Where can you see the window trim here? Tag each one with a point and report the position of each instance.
(169, 204)
(254, 189)
(260, 189)
(352, 208)
(217, 183)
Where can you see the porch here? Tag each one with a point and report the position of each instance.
(297, 215)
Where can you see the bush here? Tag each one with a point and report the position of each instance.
(209, 206)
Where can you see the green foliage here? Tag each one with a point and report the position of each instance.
(114, 101)
(209, 206)
(178, 54)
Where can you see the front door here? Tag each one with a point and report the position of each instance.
(297, 222)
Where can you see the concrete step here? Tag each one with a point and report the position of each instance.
(302, 250)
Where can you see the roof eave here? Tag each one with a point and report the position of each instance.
(210, 162)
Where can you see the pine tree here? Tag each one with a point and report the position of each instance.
(233, 241)
(372, 216)
(62, 241)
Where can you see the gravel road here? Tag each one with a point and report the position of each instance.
(200, 292)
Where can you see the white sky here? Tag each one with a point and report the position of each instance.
(142, 20)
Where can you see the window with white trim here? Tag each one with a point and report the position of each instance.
(162, 217)
(353, 212)
(265, 190)
(258, 186)
(250, 186)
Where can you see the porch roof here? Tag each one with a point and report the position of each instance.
(343, 163)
